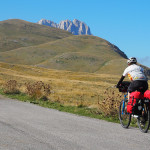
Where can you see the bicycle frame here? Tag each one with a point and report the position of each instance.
(125, 99)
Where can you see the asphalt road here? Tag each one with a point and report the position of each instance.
(25, 126)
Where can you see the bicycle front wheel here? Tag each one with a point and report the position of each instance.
(144, 120)
(124, 117)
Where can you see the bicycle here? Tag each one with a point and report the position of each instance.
(141, 111)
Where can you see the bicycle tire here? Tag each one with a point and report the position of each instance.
(144, 120)
(124, 117)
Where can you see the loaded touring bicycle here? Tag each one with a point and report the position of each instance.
(138, 106)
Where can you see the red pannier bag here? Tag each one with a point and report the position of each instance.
(147, 95)
(132, 101)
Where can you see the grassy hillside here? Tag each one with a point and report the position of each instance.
(15, 33)
(115, 66)
(74, 53)
(26, 43)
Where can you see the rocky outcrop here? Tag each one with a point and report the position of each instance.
(47, 23)
(117, 50)
(76, 27)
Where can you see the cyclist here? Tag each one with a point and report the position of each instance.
(136, 75)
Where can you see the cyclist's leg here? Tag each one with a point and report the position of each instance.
(132, 87)
(128, 96)
(138, 85)
(145, 86)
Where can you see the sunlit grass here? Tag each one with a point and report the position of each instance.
(68, 88)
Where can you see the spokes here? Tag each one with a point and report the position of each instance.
(124, 117)
(144, 120)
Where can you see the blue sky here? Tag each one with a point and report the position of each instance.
(125, 23)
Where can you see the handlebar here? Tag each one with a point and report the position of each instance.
(124, 86)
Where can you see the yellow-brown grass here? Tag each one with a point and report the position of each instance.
(68, 88)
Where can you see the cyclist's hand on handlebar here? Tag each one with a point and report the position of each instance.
(118, 85)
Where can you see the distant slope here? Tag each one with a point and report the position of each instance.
(15, 33)
(117, 66)
(26, 43)
(75, 53)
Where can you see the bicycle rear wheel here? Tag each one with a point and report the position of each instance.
(124, 117)
(144, 120)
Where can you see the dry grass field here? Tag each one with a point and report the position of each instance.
(68, 88)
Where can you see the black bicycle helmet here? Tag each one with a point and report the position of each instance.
(131, 60)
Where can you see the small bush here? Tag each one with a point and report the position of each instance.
(11, 87)
(110, 104)
(38, 90)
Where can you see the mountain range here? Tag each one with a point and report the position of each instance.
(27, 43)
(76, 27)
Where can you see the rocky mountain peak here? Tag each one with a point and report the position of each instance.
(64, 24)
(47, 23)
(76, 27)
(76, 22)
